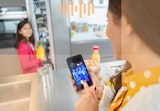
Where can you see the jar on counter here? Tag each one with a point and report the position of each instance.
(90, 27)
(79, 27)
(73, 26)
(100, 28)
(95, 27)
(85, 27)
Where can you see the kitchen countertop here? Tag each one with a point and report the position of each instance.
(34, 89)
(57, 93)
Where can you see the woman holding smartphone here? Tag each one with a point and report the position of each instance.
(134, 31)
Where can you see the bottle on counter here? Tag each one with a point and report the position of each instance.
(40, 51)
(95, 55)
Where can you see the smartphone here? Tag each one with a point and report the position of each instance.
(79, 71)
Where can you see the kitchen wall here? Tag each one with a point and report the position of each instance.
(99, 17)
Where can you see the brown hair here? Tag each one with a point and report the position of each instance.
(115, 9)
(20, 37)
(144, 17)
(116, 79)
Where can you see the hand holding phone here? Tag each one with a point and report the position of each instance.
(78, 71)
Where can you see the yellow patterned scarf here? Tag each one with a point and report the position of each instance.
(133, 83)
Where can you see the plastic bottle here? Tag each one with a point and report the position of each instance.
(40, 52)
(95, 55)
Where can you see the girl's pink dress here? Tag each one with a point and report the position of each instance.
(27, 56)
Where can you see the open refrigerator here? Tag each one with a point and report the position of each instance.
(40, 18)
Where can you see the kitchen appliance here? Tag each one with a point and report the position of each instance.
(9, 18)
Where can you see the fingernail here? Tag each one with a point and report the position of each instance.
(95, 88)
(82, 81)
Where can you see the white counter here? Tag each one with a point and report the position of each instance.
(57, 94)
(88, 37)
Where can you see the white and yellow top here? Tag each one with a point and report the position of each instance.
(133, 83)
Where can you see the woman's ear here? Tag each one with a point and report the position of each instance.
(127, 28)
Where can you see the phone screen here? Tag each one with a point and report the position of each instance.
(79, 71)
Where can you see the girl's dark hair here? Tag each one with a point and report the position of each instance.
(20, 37)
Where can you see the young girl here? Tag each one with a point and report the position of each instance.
(25, 48)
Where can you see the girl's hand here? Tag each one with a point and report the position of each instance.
(44, 59)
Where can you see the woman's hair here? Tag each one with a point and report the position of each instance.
(19, 36)
(115, 9)
(116, 79)
(144, 17)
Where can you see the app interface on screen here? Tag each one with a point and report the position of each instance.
(80, 72)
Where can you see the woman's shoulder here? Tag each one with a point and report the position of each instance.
(146, 99)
